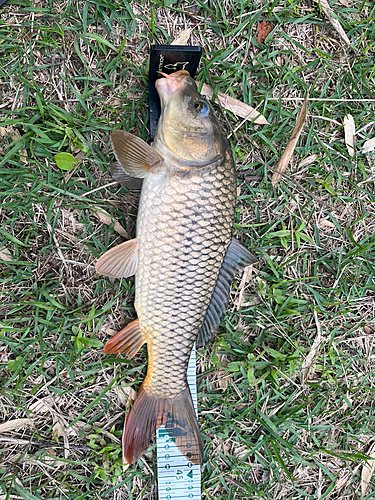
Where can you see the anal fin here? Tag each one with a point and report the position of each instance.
(237, 257)
(120, 261)
(127, 341)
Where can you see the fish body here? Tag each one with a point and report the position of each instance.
(183, 257)
(184, 229)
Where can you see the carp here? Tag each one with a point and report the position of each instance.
(184, 257)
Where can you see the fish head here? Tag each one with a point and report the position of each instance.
(188, 129)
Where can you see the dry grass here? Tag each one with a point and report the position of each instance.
(283, 416)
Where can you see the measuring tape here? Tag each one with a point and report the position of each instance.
(177, 477)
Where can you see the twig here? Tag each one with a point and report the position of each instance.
(82, 264)
(99, 188)
(43, 444)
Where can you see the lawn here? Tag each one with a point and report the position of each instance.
(286, 392)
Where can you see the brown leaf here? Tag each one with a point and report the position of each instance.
(349, 131)
(326, 223)
(4, 132)
(5, 255)
(12, 425)
(104, 217)
(182, 38)
(235, 106)
(264, 29)
(308, 161)
(290, 147)
(223, 376)
(367, 471)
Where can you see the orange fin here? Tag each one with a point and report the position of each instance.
(135, 156)
(127, 341)
(120, 261)
(150, 412)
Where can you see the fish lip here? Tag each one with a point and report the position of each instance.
(171, 84)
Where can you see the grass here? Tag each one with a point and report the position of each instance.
(282, 415)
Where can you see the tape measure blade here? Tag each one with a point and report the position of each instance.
(178, 479)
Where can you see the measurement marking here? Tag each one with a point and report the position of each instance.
(178, 479)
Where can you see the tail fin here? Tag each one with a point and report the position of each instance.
(178, 417)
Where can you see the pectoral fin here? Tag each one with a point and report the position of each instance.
(135, 156)
(120, 261)
(237, 257)
(127, 341)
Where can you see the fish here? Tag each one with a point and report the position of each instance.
(184, 257)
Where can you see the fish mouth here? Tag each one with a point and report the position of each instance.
(170, 84)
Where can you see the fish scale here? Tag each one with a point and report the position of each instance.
(176, 262)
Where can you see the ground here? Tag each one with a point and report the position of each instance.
(286, 390)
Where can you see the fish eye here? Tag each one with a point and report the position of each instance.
(201, 107)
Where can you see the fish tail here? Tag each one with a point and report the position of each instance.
(150, 412)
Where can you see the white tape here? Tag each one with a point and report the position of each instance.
(177, 477)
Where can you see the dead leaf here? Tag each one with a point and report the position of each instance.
(58, 430)
(308, 161)
(246, 277)
(368, 146)
(108, 331)
(40, 407)
(326, 223)
(15, 136)
(5, 255)
(333, 20)
(4, 132)
(50, 458)
(223, 376)
(367, 471)
(104, 217)
(342, 481)
(264, 29)
(290, 147)
(349, 131)
(235, 106)
(308, 366)
(182, 38)
(12, 425)
(126, 395)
